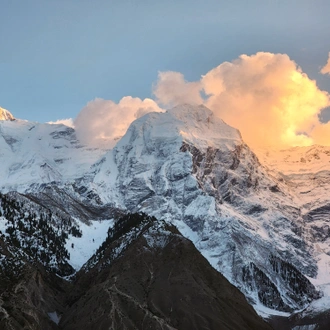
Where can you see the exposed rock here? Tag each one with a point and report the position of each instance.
(158, 281)
(145, 276)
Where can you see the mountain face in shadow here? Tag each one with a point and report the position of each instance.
(145, 276)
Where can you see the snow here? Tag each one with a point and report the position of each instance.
(34, 153)
(305, 327)
(185, 230)
(84, 247)
(322, 282)
(266, 313)
(297, 160)
(3, 225)
(305, 169)
(54, 317)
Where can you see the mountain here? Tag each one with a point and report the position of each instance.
(33, 154)
(145, 275)
(306, 172)
(190, 168)
(251, 217)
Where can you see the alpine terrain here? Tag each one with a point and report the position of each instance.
(170, 229)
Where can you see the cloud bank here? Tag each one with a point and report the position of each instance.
(266, 96)
(102, 122)
(326, 68)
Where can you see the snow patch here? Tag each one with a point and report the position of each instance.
(266, 312)
(54, 317)
(82, 248)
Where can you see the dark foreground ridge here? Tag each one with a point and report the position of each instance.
(146, 275)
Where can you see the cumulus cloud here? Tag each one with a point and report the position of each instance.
(171, 89)
(67, 122)
(326, 68)
(102, 122)
(266, 96)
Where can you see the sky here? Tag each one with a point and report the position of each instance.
(75, 58)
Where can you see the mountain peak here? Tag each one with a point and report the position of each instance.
(193, 124)
(196, 112)
(200, 126)
(5, 114)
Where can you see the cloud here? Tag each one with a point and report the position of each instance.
(266, 96)
(67, 122)
(321, 134)
(102, 122)
(326, 68)
(171, 89)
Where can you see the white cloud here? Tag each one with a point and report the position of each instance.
(266, 96)
(102, 122)
(171, 89)
(67, 122)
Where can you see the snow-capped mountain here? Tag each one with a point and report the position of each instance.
(32, 154)
(306, 173)
(262, 225)
(190, 168)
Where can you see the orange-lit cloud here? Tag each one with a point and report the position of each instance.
(266, 96)
(102, 122)
(326, 68)
(321, 134)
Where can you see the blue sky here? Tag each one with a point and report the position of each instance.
(56, 55)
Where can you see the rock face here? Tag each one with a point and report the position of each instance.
(191, 169)
(28, 292)
(145, 275)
